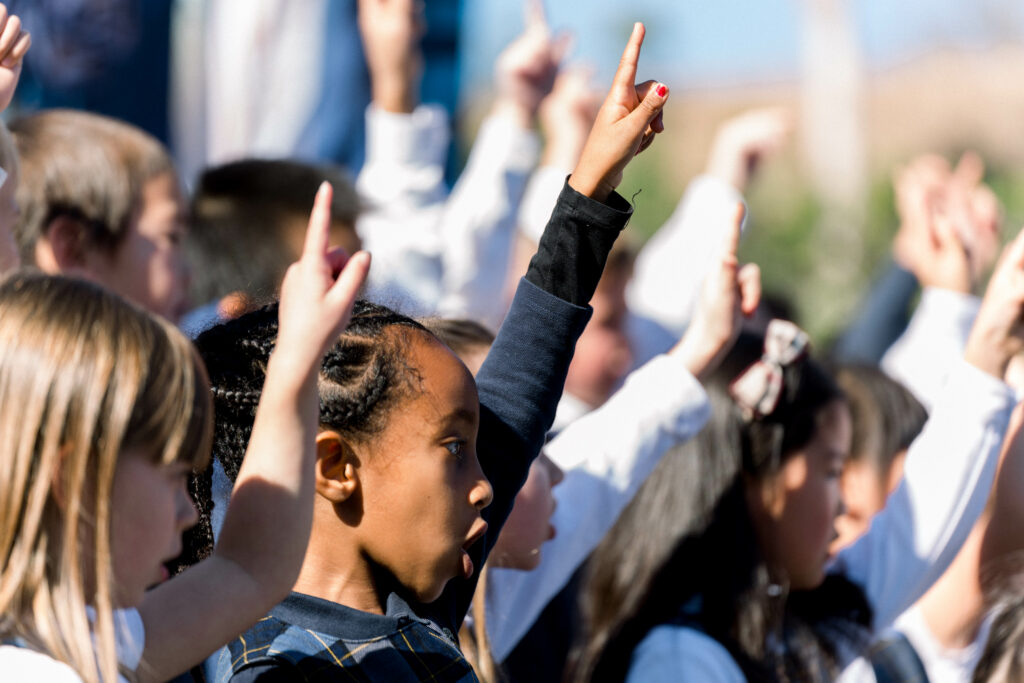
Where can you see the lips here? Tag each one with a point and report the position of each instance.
(476, 533)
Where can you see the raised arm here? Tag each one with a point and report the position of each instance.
(521, 380)
(479, 218)
(266, 528)
(671, 266)
(950, 467)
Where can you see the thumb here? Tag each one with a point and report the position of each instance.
(749, 280)
(650, 106)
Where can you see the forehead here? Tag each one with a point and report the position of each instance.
(445, 386)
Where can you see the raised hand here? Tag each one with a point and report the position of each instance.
(318, 291)
(928, 242)
(525, 71)
(14, 43)
(998, 331)
(729, 294)
(391, 32)
(625, 125)
(743, 142)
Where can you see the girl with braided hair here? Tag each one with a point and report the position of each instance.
(406, 511)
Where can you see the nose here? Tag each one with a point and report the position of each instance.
(481, 494)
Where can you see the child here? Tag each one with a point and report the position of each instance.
(100, 200)
(404, 515)
(693, 581)
(105, 412)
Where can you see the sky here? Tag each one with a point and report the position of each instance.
(702, 43)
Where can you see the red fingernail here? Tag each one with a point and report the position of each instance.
(661, 91)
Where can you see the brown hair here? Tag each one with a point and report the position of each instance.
(84, 166)
(241, 214)
(84, 375)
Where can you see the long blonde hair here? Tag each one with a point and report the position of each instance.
(83, 376)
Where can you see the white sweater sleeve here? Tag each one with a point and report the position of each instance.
(948, 474)
(402, 184)
(479, 220)
(606, 456)
(672, 265)
(932, 342)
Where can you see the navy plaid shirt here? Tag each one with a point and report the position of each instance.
(309, 639)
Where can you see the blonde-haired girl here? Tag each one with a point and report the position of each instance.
(104, 410)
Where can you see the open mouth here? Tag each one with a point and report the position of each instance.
(467, 563)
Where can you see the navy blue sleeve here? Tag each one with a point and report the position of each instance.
(521, 380)
(880, 320)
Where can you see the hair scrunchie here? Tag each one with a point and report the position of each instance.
(758, 388)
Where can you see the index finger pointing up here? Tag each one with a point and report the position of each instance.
(625, 76)
(318, 232)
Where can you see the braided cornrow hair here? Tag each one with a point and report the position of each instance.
(360, 379)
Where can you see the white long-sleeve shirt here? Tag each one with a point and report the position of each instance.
(949, 470)
(436, 252)
(606, 456)
(932, 342)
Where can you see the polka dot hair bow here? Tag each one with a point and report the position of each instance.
(758, 388)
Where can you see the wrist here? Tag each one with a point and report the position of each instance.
(515, 111)
(394, 95)
(988, 350)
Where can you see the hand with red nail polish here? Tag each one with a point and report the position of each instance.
(14, 43)
(625, 126)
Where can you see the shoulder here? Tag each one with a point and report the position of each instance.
(20, 663)
(674, 653)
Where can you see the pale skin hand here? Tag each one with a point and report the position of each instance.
(14, 43)
(928, 243)
(743, 143)
(626, 124)
(266, 528)
(525, 71)
(729, 294)
(998, 331)
(934, 199)
(391, 32)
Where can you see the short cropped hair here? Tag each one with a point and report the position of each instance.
(84, 166)
(240, 216)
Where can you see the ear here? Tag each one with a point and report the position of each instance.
(337, 467)
(62, 247)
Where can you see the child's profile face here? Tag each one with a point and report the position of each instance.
(421, 483)
(529, 526)
(794, 510)
(150, 508)
(149, 266)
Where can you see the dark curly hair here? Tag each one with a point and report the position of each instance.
(361, 378)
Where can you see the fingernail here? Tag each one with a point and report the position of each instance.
(661, 91)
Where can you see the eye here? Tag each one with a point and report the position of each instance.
(456, 448)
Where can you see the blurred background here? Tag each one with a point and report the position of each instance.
(871, 83)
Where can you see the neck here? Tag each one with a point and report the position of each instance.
(334, 569)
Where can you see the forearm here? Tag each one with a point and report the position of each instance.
(479, 219)
(948, 475)
(267, 524)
